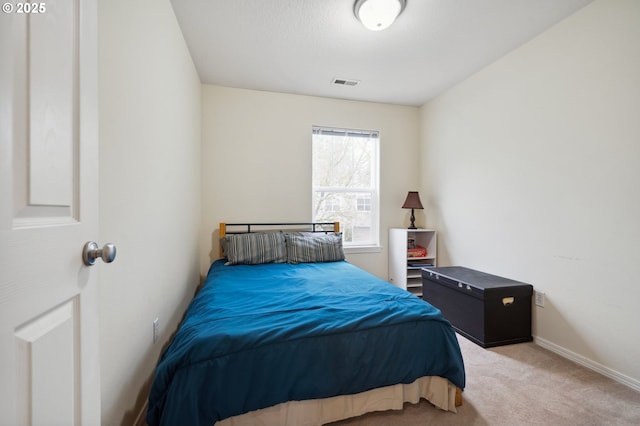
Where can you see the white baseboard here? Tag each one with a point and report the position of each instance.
(590, 364)
(141, 420)
(563, 352)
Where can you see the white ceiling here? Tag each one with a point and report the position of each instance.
(300, 46)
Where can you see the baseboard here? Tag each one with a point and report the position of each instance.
(590, 364)
(563, 352)
(141, 418)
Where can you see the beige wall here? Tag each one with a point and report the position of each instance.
(256, 160)
(149, 193)
(531, 170)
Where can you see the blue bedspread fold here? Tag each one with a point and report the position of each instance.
(258, 335)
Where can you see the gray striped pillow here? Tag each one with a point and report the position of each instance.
(310, 247)
(255, 248)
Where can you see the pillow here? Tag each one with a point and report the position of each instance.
(254, 248)
(314, 247)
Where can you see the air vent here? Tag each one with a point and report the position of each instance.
(345, 82)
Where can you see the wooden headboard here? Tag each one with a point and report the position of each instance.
(245, 228)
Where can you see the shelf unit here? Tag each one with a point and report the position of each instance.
(406, 271)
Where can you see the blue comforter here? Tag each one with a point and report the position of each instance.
(258, 335)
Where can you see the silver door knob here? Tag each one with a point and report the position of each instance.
(91, 252)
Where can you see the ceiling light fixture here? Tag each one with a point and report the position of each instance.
(376, 15)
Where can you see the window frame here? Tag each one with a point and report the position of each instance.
(372, 192)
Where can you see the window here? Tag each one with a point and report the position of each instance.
(345, 182)
(363, 204)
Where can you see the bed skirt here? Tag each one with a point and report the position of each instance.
(437, 390)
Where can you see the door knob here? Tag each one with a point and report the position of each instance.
(91, 252)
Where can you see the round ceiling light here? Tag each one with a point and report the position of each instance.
(376, 15)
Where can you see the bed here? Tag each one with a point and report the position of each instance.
(285, 331)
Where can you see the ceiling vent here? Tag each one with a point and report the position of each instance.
(345, 82)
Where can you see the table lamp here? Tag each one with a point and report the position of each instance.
(412, 202)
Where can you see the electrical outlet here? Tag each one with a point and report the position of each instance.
(539, 299)
(156, 329)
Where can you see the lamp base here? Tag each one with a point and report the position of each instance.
(413, 221)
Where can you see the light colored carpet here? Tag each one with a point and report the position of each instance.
(522, 384)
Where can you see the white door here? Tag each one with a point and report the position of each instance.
(49, 368)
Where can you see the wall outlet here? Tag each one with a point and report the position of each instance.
(539, 299)
(156, 329)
